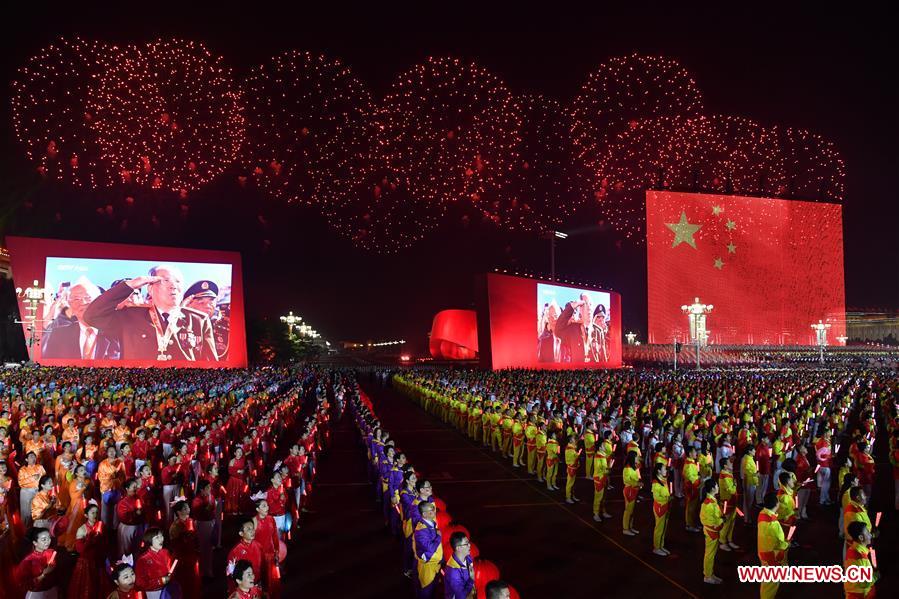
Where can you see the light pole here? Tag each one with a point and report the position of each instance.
(32, 297)
(552, 236)
(291, 321)
(697, 313)
(820, 328)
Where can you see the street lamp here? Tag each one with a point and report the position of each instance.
(697, 313)
(552, 236)
(32, 297)
(291, 321)
(820, 328)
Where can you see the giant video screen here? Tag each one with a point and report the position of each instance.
(769, 268)
(125, 305)
(527, 323)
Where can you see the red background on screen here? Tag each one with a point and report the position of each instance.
(786, 271)
(512, 309)
(28, 259)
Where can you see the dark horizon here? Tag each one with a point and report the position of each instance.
(827, 73)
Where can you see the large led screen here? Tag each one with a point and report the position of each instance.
(769, 268)
(526, 323)
(124, 305)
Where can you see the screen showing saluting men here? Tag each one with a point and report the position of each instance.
(137, 310)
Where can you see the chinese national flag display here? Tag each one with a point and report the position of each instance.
(770, 268)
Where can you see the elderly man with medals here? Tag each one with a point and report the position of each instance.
(160, 329)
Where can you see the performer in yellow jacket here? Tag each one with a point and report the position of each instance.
(855, 511)
(517, 442)
(600, 481)
(540, 445)
(572, 457)
(496, 439)
(727, 494)
(691, 489)
(589, 448)
(530, 441)
(859, 554)
(552, 462)
(661, 498)
(632, 484)
(506, 424)
(750, 474)
(712, 521)
(786, 499)
(474, 420)
(772, 545)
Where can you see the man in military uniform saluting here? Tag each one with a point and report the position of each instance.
(203, 296)
(162, 329)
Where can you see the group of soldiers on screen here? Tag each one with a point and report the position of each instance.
(119, 481)
(759, 460)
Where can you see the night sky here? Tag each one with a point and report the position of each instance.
(832, 74)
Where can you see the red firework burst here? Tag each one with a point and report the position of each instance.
(307, 116)
(168, 115)
(50, 114)
(624, 91)
(449, 129)
(546, 185)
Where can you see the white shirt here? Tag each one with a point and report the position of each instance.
(84, 333)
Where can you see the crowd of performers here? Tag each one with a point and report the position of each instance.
(731, 445)
(435, 550)
(117, 483)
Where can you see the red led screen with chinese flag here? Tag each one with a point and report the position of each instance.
(770, 268)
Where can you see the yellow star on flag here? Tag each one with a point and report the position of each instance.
(716, 210)
(683, 231)
(731, 225)
(719, 263)
(731, 248)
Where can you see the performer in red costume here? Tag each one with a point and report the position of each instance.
(183, 536)
(126, 583)
(267, 537)
(36, 575)
(247, 549)
(90, 544)
(245, 582)
(153, 568)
